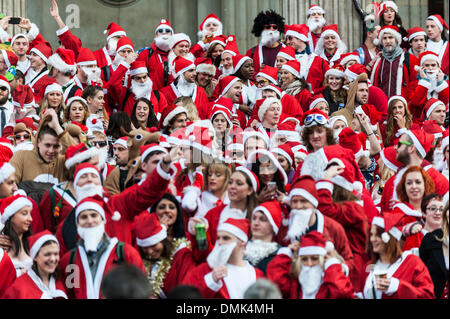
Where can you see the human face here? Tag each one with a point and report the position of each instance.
(280, 62)
(4, 94)
(20, 47)
(432, 30)
(238, 189)
(335, 83)
(389, 16)
(21, 221)
(418, 44)
(252, 144)
(388, 42)
(260, 226)
(98, 101)
(318, 138)
(218, 49)
(433, 213)
(77, 112)
(402, 151)
(268, 93)
(204, 79)
(36, 61)
(216, 181)
(124, 53)
(167, 212)
(47, 259)
(261, 82)
(227, 60)
(316, 16)
(296, 43)
(212, 26)
(272, 115)
(362, 93)
(220, 123)
(430, 65)
(415, 186)
(330, 42)
(398, 108)
(438, 114)
(88, 178)
(181, 48)
(153, 252)
(151, 163)
(284, 163)
(286, 78)
(54, 99)
(141, 78)
(180, 121)
(21, 138)
(3, 66)
(356, 124)
(266, 172)
(142, 112)
(49, 146)
(8, 187)
(339, 125)
(89, 218)
(310, 260)
(224, 238)
(234, 92)
(121, 154)
(248, 69)
(378, 246)
(323, 107)
(300, 202)
(190, 75)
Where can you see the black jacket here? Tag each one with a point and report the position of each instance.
(431, 254)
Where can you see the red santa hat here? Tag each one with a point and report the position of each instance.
(331, 29)
(415, 32)
(114, 30)
(390, 223)
(43, 50)
(231, 46)
(371, 112)
(274, 161)
(300, 150)
(398, 98)
(84, 168)
(348, 178)
(86, 57)
(6, 170)
(239, 60)
(318, 98)
(338, 118)
(272, 211)
(389, 158)
(349, 139)
(125, 43)
(350, 56)
(421, 140)
(170, 113)
(149, 230)
(273, 88)
(287, 53)
(265, 106)
(288, 129)
(270, 73)
(389, 4)
(225, 84)
(445, 140)
(6, 150)
(337, 70)
(293, 67)
(182, 65)
(391, 29)
(79, 153)
(63, 60)
(80, 99)
(17, 36)
(432, 127)
(237, 227)
(138, 67)
(23, 97)
(315, 117)
(285, 151)
(223, 106)
(427, 55)
(204, 65)
(95, 203)
(305, 186)
(220, 39)
(439, 21)
(9, 57)
(180, 37)
(36, 241)
(52, 86)
(211, 18)
(4, 82)
(252, 176)
(164, 24)
(11, 205)
(312, 243)
(123, 141)
(299, 31)
(315, 9)
(354, 70)
(150, 148)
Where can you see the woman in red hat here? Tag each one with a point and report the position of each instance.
(76, 110)
(389, 15)
(334, 92)
(53, 98)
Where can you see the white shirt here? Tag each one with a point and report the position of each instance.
(239, 279)
(435, 46)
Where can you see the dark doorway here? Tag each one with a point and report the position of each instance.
(436, 7)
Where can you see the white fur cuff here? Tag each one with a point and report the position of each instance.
(393, 287)
(330, 262)
(211, 283)
(425, 83)
(441, 87)
(325, 185)
(285, 251)
(33, 33)
(60, 32)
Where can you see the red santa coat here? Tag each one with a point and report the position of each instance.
(103, 58)
(317, 67)
(183, 180)
(304, 98)
(201, 277)
(89, 288)
(38, 85)
(199, 96)
(414, 241)
(7, 270)
(155, 66)
(352, 217)
(30, 286)
(421, 96)
(69, 41)
(410, 279)
(335, 285)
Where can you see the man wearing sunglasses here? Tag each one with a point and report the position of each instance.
(22, 134)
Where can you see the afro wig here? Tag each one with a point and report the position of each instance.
(265, 18)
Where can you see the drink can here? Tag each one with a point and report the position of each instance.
(200, 236)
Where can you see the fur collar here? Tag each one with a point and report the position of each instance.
(257, 250)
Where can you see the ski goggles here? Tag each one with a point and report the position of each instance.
(316, 119)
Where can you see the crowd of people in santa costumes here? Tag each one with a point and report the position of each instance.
(321, 169)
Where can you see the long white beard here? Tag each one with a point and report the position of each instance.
(269, 37)
(164, 42)
(439, 159)
(298, 223)
(88, 190)
(92, 236)
(93, 75)
(432, 76)
(220, 255)
(142, 89)
(186, 88)
(112, 46)
(310, 278)
(256, 250)
(226, 72)
(314, 24)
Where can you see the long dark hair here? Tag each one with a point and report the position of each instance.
(14, 237)
(178, 230)
(152, 121)
(277, 178)
(118, 122)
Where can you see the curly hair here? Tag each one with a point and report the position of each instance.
(307, 131)
(267, 17)
(428, 183)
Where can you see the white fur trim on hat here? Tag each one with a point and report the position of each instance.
(317, 9)
(433, 106)
(312, 250)
(153, 149)
(247, 172)
(432, 57)
(282, 152)
(291, 70)
(39, 53)
(84, 171)
(121, 142)
(388, 163)
(304, 193)
(349, 58)
(233, 230)
(335, 72)
(297, 35)
(225, 90)
(55, 87)
(138, 71)
(81, 157)
(206, 68)
(408, 211)
(417, 144)
(266, 212)
(285, 56)
(317, 101)
(58, 63)
(241, 62)
(175, 112)
(265, 106)
(89, 206)
(181, 72)
(396, 34)
(265, 75)
(75, 98)
(5, 83)
(378, 221)
(14, 207)
(20, 35)
(391, 4)
(436, 20)
(116, 34)
(38, 244)
(396, 233)
(416, 34)
(153, 240)
(6, 171)
(336, 118)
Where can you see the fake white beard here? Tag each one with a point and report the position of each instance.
(220, 255)
(314, 24)
(439, 159)
(269, 37)
(92, 236)
(216, 33)
(432, 76)
(88, 190)
(298, 223)
(117, 59)
(93, 75)
(226, 72)
(186, 88)
(164, 42)
(256, 250)
(102, 157)
(112, 46)
(142, 89)
(310, 278)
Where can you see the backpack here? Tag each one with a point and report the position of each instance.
(35, 190)
(120, 252)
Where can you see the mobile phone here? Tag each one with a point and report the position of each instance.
(14, 20)
(271, 186)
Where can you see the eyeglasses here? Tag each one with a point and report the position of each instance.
(18, 136)
(3, 88)
(99, 143)
(434, 209)
(261, 83)
(403, 142)
(271, 26)
(164, 31)
(317, 119)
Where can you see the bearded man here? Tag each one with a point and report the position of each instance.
(106, 55)
(316, 21)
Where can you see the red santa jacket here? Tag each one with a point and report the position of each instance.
(155, 66)
(69, 41)
(7, 270)
(305, 98)
(201, 277)
(103, 57)
(410, 279)
(317, 68)
(199, 96)
(414, 241)
(38, 84)
(352, 217)
(335, 285)
(30, 286)
(89, 287)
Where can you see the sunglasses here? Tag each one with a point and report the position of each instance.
(315, 119)
(3, 88)
(261, 83)
(100, 143)
(271, 26)
(164, 31)
(403, 142)
(18, 137)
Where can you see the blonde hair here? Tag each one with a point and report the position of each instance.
(444, 225)
(296, 267)
(189, 105)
